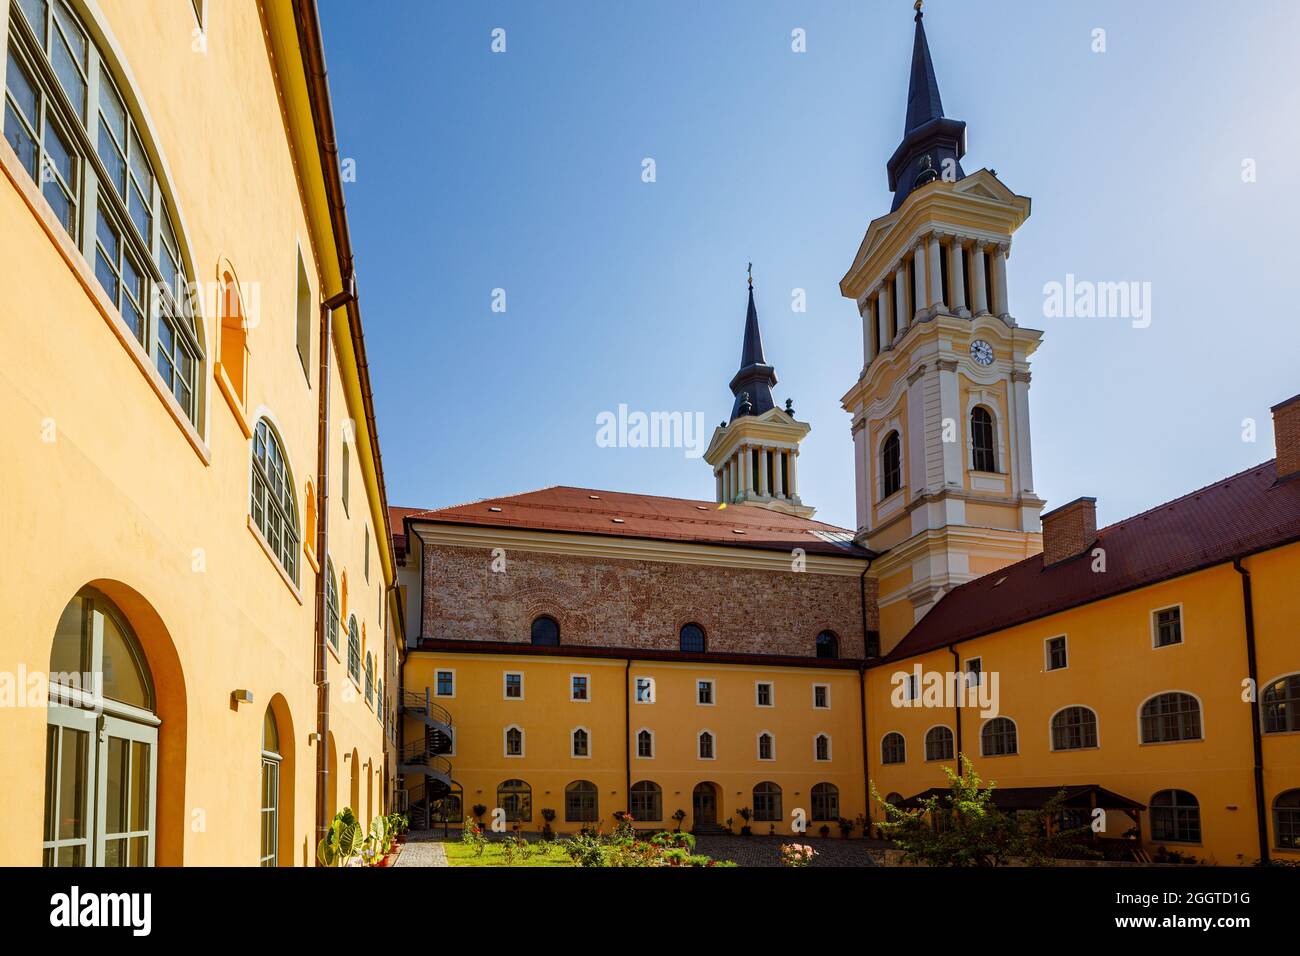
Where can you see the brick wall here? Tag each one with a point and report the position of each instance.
(1069, 530)
(643, 604)
(1286, 430)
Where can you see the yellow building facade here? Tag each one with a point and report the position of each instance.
(171, 230)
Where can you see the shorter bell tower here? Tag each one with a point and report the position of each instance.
(755, 455)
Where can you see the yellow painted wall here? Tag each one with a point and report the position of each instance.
(547, 716)
(1113, 668)
(154, 513)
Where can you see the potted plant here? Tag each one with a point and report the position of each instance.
(548, 816)
(479, 809)
(679, 816)
(825, 830)
(846, 827)
(730, 822)
(745, 814)
(342, 842)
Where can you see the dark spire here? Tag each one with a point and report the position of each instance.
(752, 385)
(930, 140)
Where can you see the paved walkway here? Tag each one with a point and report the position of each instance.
(766, 850)
(421, 850)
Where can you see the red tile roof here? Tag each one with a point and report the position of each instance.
(620, 514)
(1240, 515)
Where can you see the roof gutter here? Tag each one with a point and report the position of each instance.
(311, 45)
(1248, 614)
(862, 694)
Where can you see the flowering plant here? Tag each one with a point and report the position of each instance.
(796, 854)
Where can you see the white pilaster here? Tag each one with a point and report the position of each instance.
(919, 299)
(901, 321)
(977, 264)
(763, 483)
(885, 315)
(957, 277)
(794, 473)
(936, 274)
(1003, 308)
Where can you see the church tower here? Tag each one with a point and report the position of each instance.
(945, 485)
(755, 453)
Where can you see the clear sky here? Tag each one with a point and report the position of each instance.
(522, 171)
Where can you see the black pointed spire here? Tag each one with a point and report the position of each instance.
(752, 385)
(932, 144)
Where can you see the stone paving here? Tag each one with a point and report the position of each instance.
(766, 851)
(420, 849)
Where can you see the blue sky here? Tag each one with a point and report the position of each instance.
(522, 171)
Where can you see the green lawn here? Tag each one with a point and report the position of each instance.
(544, 854)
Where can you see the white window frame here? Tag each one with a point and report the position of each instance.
(505, 745)
(444, 670)
(1155, 630)
(577, 756)
(505, 684)
(636, 690)
(580, 700)
(979, 660)
(771, 693)
(1047, 653)
(1014, 724)
(1051, 743)
(829, 752)
(825, 687)
(758, 746)
(640, 731)
(713, 692)
(713, 737)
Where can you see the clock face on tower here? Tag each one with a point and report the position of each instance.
(981, 352)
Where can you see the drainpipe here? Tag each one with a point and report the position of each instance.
(1248, 613)
(862, 693)
(321, 669)
(956, 706)
(627, 736)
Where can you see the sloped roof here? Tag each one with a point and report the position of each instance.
(573, 510)
(1243, 514)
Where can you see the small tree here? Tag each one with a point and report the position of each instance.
(964, 828)
(679, 816)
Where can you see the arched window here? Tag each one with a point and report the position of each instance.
(821, 747)
(647, 801)
(893, 798)
(546, 633)
(1286, 820)
(983, 441)
(1281, 705)
(516, 798)
(767, 802)
(645, 744)
(938, 743)
(451, 807)
(380, 703)
(354, 649)
(63, 105)
(270, 790)
(766, 747)
(691, 639)
(893, 749)
(1074, 728)
(514, 742)
(370, 679)
(581, 742)
(274, 511)
(580, 802)
(331, 605)
(101, 744)
(1170, 717)
(828, 645)
(705, 742)
(891, 465)
(1175, 817)
(825, 801)
(998, 738)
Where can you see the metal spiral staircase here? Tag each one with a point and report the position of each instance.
(426, 772)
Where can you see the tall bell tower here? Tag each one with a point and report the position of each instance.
(945, 486)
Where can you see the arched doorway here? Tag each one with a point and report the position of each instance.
(704, 804)
(101, 780)
(277, 784)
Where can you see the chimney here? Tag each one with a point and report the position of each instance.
(1286, 433)
(1070, 529)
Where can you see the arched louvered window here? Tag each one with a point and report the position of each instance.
(983, 440)
(998, 738)
(691, 639)
(581, 802)
(1170, 717)
(1074, 728)
(767, 802)
(891, 465)
(825, 801)
(893, 748)
(273, 507)
(938, 743)
(546, 632)
(1280, 705)
(1175, 817)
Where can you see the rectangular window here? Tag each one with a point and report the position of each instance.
(446, 684)
(1056, 653)
(645, 690)
(1169, 626)
(514, 686)
(764, 695)
(304, 319)
(821, 696)
(974, 671)
(579, 687)
(911, 687)
(704, 692)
